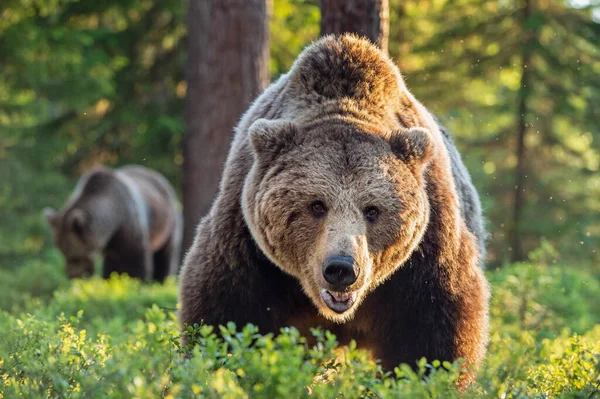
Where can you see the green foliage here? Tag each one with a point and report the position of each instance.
(119, 338)
(115, 301)
(537, 314)
(55, 357)
(33, 282)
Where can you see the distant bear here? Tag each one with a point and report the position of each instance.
(130, 215)
(343, 205)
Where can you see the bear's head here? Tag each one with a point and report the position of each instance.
(72, 237)
(336, 207)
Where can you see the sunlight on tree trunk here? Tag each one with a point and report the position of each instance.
(522, 110)
(369, 18)
(228, 55)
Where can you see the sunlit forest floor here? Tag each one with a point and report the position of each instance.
(119, 338)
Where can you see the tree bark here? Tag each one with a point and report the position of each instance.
(368, 18)
(227, 67)
(520, 169)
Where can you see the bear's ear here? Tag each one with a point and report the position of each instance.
(414, 146)
(77, 221)
(270, 137)
(51, 216)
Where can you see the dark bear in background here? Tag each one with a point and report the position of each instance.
(344, 205)
(130, 215)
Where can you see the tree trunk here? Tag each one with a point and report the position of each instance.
(227, 68)
(368, 18)
(520, 170)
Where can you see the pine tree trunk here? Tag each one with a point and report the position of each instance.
(227, 68)
(368, 18)
(520, 170)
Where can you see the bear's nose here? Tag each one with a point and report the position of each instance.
(339, 272)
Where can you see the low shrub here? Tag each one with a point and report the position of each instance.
(119, 338)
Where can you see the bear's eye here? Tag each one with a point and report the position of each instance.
(317, 208)
(371, 213)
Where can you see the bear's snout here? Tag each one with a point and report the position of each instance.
(340, 271)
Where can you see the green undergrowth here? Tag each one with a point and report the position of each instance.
(119, 338)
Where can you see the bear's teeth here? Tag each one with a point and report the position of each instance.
(340, 296)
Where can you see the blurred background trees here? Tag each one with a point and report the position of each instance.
(517, 82)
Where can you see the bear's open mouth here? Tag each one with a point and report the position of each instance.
(339, 302)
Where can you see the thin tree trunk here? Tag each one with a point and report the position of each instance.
(368, 18)
(520, 170)
(227, 68)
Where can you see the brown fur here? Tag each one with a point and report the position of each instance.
(342, 128)
(130, 215)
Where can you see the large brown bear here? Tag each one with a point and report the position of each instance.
(343, 205)
(130, 215)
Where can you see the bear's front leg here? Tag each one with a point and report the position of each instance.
(135, 264)
(217, 288)
(409, 318)
(128, 252)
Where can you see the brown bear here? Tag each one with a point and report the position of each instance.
(130, 215)
(344, 205)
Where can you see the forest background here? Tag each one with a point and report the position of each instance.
(517, 83)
